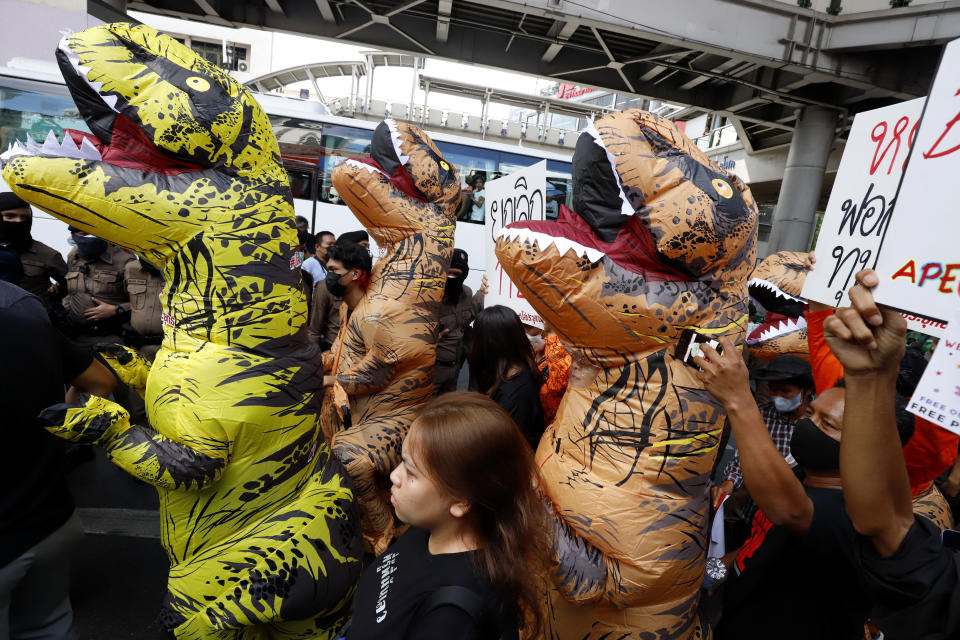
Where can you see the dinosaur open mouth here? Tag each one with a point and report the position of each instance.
(774, 299)
(776, 325)
(115, 138)
(632, 249)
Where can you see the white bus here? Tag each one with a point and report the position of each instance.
(312, 143)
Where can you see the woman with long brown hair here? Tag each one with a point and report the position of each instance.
(467, 487)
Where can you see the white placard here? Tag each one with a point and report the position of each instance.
(937, 397)
(919, 263)
(862, 199)
(518, 196)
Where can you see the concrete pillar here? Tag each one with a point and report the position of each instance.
(795, 215)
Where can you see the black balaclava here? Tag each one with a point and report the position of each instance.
(16, 235)
(454, 287)
(812, 448)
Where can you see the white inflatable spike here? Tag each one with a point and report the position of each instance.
(69, 148)
(88, 151)
(51, 146)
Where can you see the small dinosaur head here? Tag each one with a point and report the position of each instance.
(659, 239)
(776, 284)
(404, 187)
(170, 134)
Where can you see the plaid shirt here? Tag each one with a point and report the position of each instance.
(781, 430)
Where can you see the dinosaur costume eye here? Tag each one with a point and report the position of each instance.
(197, 83)
(723, 188)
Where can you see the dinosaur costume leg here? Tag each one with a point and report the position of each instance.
(660, 241)
(258, 519)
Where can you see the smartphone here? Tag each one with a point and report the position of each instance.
(690, 343)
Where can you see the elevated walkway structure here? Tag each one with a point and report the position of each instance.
(784, 75)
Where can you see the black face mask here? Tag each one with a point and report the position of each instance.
(812, 448)
(453, 289)
(16, 234)
(89, 246)
(333, 284)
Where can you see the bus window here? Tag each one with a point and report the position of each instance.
(339, 143)
(34, 113)
(473, 163)
(559, 187)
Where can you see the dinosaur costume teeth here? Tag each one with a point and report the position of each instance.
(258, 519)
(659, 240)
(776, 284)
(406, 196)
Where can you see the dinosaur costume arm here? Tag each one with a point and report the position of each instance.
(138, 449)
(375, 371)
(583, 574)
(129, 366)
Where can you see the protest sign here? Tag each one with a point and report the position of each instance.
(937, 397)
(518, 196)
(862, 199)
(919, 261)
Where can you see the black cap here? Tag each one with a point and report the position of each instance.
(786, 368)
(10, 200)
(460, 261)
(353, 237)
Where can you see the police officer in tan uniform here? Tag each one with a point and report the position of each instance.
(458, 308)
(41, 263)
(145, 330)
(97, 303)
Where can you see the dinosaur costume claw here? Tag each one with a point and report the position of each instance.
(659, 240)
(258, 520)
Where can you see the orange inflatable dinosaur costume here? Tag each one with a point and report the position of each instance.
(776, 284)
(405, 195)
(661, 240)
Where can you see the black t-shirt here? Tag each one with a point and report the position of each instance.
(520, 396)
(392, 589)
(35, 362)
(916, 590)
(786, 585)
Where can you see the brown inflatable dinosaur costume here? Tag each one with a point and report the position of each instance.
(776, 284)
(405, 195)
(661, 240)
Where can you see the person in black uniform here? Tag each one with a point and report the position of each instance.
(478, 530)
(41, 263)
(39, 529)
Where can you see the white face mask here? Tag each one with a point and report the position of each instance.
(786, 405)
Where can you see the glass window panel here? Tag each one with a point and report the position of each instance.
(35, 113)
(338, 144)
(473, 164)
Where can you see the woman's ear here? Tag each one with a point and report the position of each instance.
(460, 508)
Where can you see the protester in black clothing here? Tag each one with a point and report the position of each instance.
(796, 572)
(475, 525)
(38, 527)
(913, 580)
(503, 367)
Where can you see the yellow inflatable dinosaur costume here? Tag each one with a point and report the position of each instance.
(661, 241)
(406, 195)
(258, 519)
